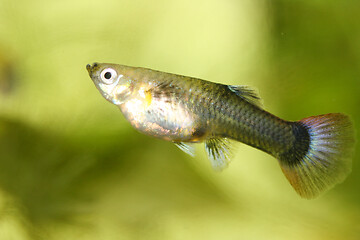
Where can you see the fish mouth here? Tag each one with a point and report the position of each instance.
(90, 68)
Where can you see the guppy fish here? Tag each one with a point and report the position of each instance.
(314, 153)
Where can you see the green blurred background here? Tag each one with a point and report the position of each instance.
(71, 167)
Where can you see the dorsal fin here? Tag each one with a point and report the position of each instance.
(246, 93)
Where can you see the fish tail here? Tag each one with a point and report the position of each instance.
(321, 154)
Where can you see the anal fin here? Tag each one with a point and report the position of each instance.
(219, 152)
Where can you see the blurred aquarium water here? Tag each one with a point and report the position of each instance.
(71, 167)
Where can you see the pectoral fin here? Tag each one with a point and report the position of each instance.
(218, 151)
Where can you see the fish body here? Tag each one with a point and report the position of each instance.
(188, 110)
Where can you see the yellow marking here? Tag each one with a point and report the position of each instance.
(148, 98)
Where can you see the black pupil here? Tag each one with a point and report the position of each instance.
(107, 75)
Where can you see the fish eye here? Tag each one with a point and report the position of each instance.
(108, 75)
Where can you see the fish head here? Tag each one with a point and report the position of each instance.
(109, 80)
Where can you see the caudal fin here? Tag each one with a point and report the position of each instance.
(321, 154)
